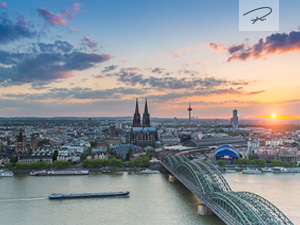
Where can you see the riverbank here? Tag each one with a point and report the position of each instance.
(92, 170)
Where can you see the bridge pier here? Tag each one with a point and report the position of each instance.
(172, 179)
(203, 210)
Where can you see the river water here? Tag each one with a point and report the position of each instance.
(153, 200)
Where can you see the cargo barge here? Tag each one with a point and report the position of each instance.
(88, 195)
(59, 172)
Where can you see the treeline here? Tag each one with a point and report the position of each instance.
(259, 162)
(98, 163)
(141, 161)
(276, 162)
(39, 165)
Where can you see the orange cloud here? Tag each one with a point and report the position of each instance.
(187, 49)
(89, 43)
(76, 6)
(217, 47)
(3, 4)
(276, 43)
(175, 54)
(51, 18)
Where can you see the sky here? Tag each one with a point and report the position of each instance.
(93, 58)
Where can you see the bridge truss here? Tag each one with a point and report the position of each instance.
(204, 180)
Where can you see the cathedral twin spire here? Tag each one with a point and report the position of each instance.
(137, 116)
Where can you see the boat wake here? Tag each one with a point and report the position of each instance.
(22, 199)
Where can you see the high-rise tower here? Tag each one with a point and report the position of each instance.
(137, 116)
(146, 116)
(190, 110)
(235, 119)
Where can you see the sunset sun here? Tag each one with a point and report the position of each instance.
(274, 116)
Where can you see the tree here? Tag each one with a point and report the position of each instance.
(253, 156)
(110, 151)
(294, 144)
(293, 164)
(93, 144)
(259, 162)
(45, 141)
(54, 156)
(94, 163)
(221, 163)
(276, 162)
(141, 161)
(115, 162)
(13, 159)
(130, 163)
(129, 155)
(150, 153)
(61, 164)
(190, 157)
(243, 161)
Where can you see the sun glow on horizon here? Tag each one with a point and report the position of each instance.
(274, 116)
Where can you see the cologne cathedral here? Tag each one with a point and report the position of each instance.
(142, 134)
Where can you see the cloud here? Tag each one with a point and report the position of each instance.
(199, 47)
(51, 18)
(45, 63)
(159, 53)
(132, 76)
(174, 96)
(217, 47)
(70, 15)
(235, 48)
(275, 43)
(89, 43)
(157, 70)
(3, 4)
(175, 54)
(187, 49)
(255, 92)
(192, 63)
(109, 68)
(76, 6)
(99, 76)
(66, 94)
(10, 31)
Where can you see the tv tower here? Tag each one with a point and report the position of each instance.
(189, 109)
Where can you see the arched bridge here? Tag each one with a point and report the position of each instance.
(209, 185)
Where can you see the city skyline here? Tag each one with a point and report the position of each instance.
(94, 58)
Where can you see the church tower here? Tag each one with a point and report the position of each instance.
(146, 116)
(20, 144)
(137, 116)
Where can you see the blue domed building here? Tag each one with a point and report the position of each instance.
(226, 152)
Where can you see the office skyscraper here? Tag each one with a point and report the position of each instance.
(235, 119)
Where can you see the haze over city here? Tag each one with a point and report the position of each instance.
(93, 58)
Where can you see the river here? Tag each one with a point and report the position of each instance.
(153, 200)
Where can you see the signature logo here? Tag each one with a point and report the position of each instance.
(259, 18)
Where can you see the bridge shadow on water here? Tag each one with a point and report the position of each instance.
(187, 200)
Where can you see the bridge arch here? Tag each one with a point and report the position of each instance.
(204, 180)
(188, 171)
